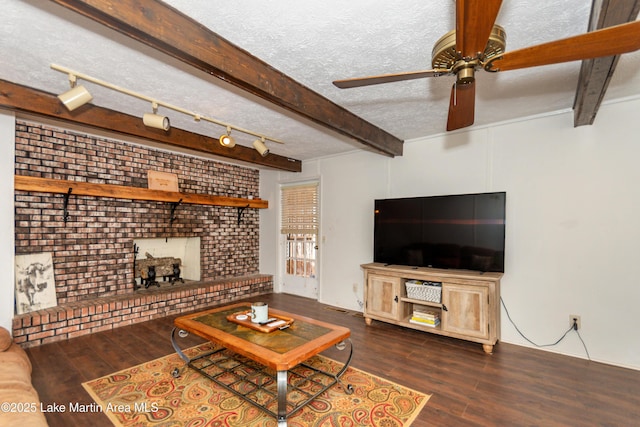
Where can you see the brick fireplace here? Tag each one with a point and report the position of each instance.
(93, 251)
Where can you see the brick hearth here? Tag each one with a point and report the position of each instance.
(101, 314)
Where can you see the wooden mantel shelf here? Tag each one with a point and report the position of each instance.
(78, 188)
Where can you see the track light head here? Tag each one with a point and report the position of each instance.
(154, 120)
(259, 145)
(76, 97)
(226, 140)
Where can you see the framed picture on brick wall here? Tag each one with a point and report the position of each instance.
(35, 282)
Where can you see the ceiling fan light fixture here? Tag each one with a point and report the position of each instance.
(226, 140)
(75, 97)
(466, 75)
(260, 147)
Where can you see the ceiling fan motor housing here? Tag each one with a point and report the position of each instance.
(445, 56)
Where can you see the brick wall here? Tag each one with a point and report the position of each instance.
(93, 252)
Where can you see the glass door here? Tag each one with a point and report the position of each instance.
(299, 238)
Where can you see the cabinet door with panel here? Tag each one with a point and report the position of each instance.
(465, 310)
(382, 296)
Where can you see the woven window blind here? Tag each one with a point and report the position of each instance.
(300, 209)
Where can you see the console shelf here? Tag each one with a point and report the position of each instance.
(421, 302)
(469, 309)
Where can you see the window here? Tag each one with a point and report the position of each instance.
(300, 255)
(300, 226)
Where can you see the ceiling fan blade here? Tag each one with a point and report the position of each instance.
(462, 105)
(388, 78)
(474, 22)
(609, 41)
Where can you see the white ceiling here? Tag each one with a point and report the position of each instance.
(314, 43)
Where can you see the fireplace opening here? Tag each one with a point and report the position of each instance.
(166, 261)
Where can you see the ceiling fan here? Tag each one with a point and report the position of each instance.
(478, 43)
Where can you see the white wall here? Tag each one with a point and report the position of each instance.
(7, 235)
(573, 231)
(572, 238)
(348, 186)
(268, 252)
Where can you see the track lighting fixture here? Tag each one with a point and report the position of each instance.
(226, 140)
(154, 120)
(75, 97)
(259, 145)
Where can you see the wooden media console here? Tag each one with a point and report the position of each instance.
(468, 309)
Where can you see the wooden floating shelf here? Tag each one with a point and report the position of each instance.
(78, 188)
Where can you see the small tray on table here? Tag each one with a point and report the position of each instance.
(281, 322)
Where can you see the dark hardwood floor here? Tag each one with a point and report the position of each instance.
(515, 386)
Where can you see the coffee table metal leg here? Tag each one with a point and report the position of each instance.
(341, 346)
(182, 334)
(281, 379)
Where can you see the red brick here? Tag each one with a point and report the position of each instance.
(40, 335)
(67, 330)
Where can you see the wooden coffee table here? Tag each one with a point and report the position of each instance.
(238, 365)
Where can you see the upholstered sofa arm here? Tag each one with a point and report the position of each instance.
(19, 401)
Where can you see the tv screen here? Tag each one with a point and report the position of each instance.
(457, 231)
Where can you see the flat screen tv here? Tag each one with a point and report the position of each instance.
(456, 231)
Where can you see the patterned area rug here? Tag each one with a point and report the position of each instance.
(149, 395)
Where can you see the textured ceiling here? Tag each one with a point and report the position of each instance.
(314, 43)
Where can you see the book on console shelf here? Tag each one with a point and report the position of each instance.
(424, 322)
(428, 321)
(430, 318)
(429, 315)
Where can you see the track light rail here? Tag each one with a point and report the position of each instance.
(75, 75)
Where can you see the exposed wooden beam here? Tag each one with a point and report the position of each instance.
(29, 100)
(170, 31)
(595, 74)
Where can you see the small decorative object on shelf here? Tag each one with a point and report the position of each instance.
(424, 290)
(162, 181)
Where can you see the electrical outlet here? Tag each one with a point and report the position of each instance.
(574, 318)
